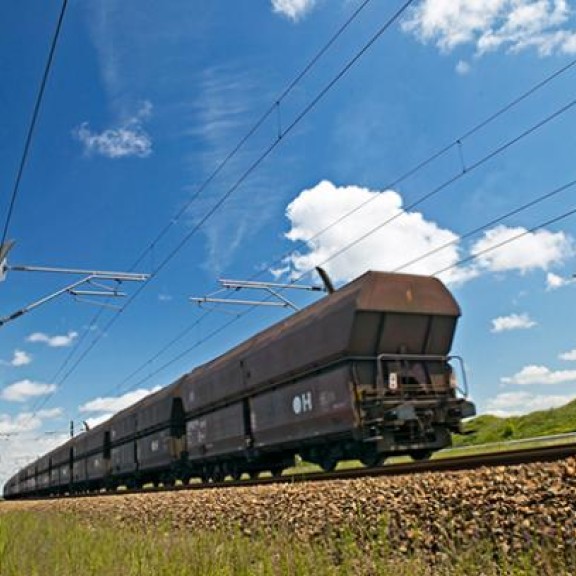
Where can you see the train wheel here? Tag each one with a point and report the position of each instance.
(276, 471)
(217, 474)
(329, 463)
(254, 474)
(236, 474)
(372, 460)
(420, 455)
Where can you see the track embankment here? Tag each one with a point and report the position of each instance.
(511, 506)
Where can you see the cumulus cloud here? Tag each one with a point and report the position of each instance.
(24, 443)
(541, 375)
(50, 413)
(94, 421)
(128, 139)
(462, 68)
(553, 281)
(503, 249)
(512, 322)
(23, 390)
(489, 25)
(53, 341)
(569, 356)
(517, 403)
(112, 404)
(19, 358)
(350, 229)
(27, 421)
(385, 247)
(293, 9)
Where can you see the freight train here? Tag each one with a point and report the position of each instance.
(364, 373)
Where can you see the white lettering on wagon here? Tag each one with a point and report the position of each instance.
(302, 403)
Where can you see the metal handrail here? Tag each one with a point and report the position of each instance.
(424, 358)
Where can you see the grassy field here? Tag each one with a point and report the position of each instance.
(53, 545)
(488, 429)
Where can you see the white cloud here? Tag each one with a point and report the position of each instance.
(22, 439)
(20, 358)
(23, 390)
(553, 281)
(27, 421)
(514, 25)
(319, 207)
(113, 404)
(517, 403)
(293, 9)
(541, 375)
(503, 249)
(129, 139)
(225, 98)
(570, 355)
(462, 68)
(512, 322)
(50, 413)
(53, 341)
(27, 444)
(23, 422)
(97, 420)
(351, 229)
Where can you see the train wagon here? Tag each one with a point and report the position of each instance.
(363, 373)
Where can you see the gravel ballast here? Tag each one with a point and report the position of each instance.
(512, 507)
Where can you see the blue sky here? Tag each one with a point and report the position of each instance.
(146, 99)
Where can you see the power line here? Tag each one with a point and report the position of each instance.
(450, 181)
(491, 118)
(307, 109)
(394, 18)
(456, 143)
(272, 108)
(175, 219)
(455, 265)
(452, 145)
(489, 224)
(476, 255)
(35, 114)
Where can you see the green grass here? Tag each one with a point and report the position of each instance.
(490, 429)
(42, 544)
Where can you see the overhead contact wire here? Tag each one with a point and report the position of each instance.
(231, 155)
(33, 121)
(489, 224)
(273, 108)
(499, 150)
(455, 265)
(451, 181)
(415, 169)
(476, 255)
(245, 175)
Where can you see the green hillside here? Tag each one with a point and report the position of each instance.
(486, 429)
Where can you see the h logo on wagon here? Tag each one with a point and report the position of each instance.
(302, 403)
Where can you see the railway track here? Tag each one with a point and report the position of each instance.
(449, 464)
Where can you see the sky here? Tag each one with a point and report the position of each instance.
(195, 141)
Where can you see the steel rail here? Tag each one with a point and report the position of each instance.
(452, 464)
